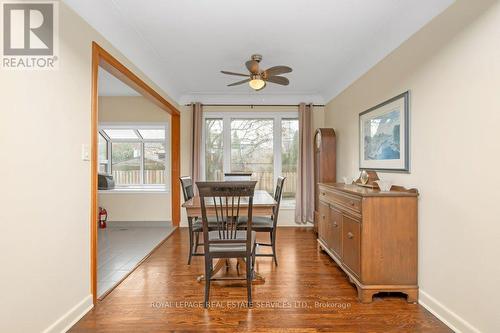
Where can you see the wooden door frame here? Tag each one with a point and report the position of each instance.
(101, 58)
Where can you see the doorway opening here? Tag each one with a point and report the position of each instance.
(151, 169)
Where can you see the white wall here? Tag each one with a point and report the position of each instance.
(139, 207)
(286, 215)
(45, 197)
(452, 69)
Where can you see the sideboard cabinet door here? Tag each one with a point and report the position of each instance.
(351, 243)
(323, 216)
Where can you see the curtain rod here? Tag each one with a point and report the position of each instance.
(252, 105)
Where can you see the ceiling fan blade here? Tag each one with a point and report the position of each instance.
(252, 66)
(239, 82)
(233, 73)
(278, 80)
(277, 70)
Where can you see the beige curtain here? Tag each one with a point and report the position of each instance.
(304, 207)
(197, 130)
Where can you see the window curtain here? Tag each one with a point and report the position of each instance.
(197, 130)
(304, 206)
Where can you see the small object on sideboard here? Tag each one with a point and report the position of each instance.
(384, 185)
(367, 179)
(364, 177)
(348, 180)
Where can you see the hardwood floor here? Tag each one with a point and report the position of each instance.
(307, 292)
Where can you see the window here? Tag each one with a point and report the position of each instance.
(252, 150)
(213, 150)
(154, 163)
(289, 156)
(137, 155)
(265, 144)
(126, 163)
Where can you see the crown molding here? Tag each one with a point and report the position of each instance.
(251, 99)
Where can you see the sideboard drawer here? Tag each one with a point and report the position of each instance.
(351, 244)
(351, 202)
(323, 227)
(339, 198)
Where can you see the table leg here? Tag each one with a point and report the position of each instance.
(218, 266)
(257, 278)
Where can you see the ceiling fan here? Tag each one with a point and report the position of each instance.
(258, 78)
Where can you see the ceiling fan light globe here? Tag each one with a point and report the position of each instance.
(257, 84)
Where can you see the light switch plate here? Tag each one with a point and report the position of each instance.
(85, 152)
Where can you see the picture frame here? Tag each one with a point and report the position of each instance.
(384, 136)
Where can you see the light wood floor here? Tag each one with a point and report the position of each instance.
(307, 292)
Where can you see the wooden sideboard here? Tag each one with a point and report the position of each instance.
(372, 236)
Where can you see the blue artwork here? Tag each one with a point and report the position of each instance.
(382, 137)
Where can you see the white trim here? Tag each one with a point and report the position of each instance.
(145, 224)
(128, 190)
(277, 138)
(65, 322)
(252, 99)
(251, 114)
(127, 124)
(447, 316)
(226, 145)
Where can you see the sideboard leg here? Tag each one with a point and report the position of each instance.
(366, 296)
(412, 295)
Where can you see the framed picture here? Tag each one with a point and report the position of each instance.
(384, 136)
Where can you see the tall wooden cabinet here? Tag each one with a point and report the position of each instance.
(372, 236)
(324, 164)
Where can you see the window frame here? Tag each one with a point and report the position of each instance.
(136, 127)
(228, 116)
(106, 161)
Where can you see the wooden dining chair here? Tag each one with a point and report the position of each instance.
(224, 200)
(194, 223)
(268, 223)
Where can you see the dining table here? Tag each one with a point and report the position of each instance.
(263, 205)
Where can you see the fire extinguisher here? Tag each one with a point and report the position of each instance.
(103, 216)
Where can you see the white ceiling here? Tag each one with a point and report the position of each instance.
(183, 44)
(109, 85)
